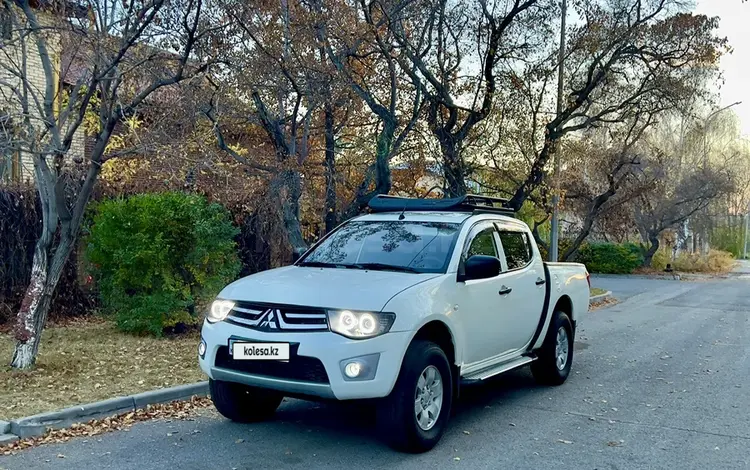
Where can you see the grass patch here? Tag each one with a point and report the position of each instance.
(597, 291)
(89, 361)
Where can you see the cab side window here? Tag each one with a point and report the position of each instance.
(517, 249)
(483, 243)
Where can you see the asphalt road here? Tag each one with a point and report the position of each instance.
(661, 380)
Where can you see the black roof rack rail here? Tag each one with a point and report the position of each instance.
(467, 203)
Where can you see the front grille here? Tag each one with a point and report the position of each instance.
(302, 368)
(271, 317)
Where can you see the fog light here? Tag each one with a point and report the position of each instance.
(353, 369)
(357, 369)
(202, 348)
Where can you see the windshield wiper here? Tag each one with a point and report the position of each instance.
(384, 267)
(322, 264)
(370, 266)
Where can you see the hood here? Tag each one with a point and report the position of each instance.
(323, 287)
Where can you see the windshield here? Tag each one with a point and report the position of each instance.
(422, 247)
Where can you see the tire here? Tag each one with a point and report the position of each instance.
(242, 403)
(397, 415)
(547, 368)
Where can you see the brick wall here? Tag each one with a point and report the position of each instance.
(12, 65)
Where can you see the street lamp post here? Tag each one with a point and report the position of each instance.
(706, 122)
(555, 224)
(747, 229)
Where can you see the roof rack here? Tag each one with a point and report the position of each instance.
(467, 203)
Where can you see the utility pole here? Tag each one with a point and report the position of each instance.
(555, 226)
(747, 229)
(704, 235)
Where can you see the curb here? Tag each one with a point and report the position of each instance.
(598, 298)
(37, 425)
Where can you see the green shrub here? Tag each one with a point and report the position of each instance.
(610, 258)
(159, 259)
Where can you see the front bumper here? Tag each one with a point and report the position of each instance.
(327, 347)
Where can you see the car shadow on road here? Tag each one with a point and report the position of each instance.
(356, 421)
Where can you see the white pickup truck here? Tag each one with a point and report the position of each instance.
(405, 304)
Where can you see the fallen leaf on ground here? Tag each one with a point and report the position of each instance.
(181, 410)
(564, 441)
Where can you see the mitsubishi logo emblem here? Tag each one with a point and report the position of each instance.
(269, 320)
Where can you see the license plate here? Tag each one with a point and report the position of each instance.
(261, 351)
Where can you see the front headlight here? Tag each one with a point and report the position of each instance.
(219, 310)
(360, 325)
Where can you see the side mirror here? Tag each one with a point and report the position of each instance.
(481, 267)
(296, 255)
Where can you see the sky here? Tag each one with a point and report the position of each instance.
(735, 16)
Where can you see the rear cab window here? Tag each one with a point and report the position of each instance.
(516, 247)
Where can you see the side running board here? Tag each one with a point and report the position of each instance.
(497, 369)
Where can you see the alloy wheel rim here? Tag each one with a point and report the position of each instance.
(561, 348)
(428, 398)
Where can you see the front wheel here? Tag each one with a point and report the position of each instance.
(243, 403)
(555, 357)
(414, 416)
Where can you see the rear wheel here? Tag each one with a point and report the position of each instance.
(243, 403)
(555, 357)
(414, 416)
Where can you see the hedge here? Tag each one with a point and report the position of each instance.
(160, 259)
(20, 226)
(611, 258)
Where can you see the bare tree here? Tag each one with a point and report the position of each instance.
(123, 54)
(274, 81)
(625, 56)
(604, 175)
(660, 210)
(676, 181)
(363, 51)
(441, 41)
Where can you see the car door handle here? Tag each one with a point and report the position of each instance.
(540, 281)
(505, 290)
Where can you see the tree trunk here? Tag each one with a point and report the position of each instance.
(380, 171)
(588, 223)
(289, 187)
(28, 327)
(577, 242)
(535, 177)
(654, 239)
(454, 169)
(330, 169)
(383, 157)
(32, 316)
